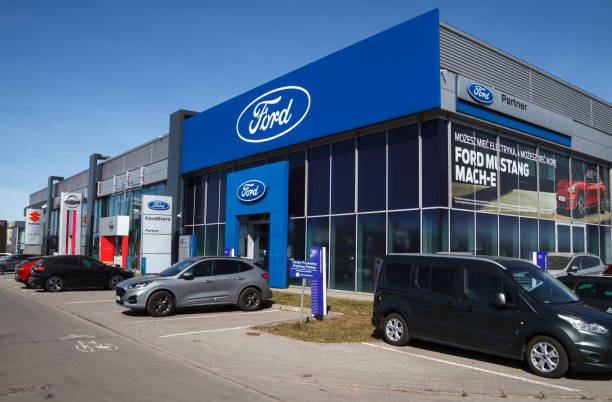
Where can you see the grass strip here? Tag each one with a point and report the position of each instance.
(353, 326)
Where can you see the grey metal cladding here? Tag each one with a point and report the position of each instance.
(137, 158)
(73, 183)
(460, 53)
(112, 168)
(159, 149)
(38, 196)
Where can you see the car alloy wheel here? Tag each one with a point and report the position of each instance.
(55, 284)
(250, 299)
(160, 304)
(114, 281)
(395, 330)
(545, 357)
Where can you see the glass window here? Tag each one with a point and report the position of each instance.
(318, 233)
(225, 267)
(200, 194)
(605, 244)
(486, 234)
(221, 244)
(529, 237)
(404, 167)
(372, 172)
(397, 274)
(296, 243)
(370, 246)
(592, 234)
(211, 240)
(527, 180)
(604, 197)
(343, 177)
(541, 286)
(187, 201)
(578, 239)
(438, 279)
(462, 231)
(435, 230)
(547, 235)
(564, 239)
(509, 196)
(297, 177)
(212, 198)
(593, 191)
(590, 262)
(435, 163)
(482, 286)
(576, 191)
(404, 230)
(342, 253)
(508, 236)
(222, 194)
(199, 232)
(554, 182)
(318, 181)
(204, 268)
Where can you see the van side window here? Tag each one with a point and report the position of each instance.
(482, 286)
(438, 279)
(397, 274)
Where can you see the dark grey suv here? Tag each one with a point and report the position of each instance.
(198, 282)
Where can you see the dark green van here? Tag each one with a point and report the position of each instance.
(501, 306)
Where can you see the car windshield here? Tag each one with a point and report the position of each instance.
(539, 285)
(556, 262)
(176, 268)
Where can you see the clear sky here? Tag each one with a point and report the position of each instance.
(78, 77)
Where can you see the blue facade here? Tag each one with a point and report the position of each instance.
(275, 202)
(389, 75)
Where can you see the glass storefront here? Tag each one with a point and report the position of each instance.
(478, 192)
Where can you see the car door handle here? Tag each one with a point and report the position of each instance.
(207, 281)
(241, 278)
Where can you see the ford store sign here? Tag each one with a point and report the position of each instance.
(273, 114)
(158, 205)
(480, 93)
(251, 191)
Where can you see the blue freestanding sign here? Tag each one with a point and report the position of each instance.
(318, 284)
(303, 269)
(540, 258)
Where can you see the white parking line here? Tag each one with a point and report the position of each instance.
(210, 315)
(91, 301)
(471, 368)
(203, 332)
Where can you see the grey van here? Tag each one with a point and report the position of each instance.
(198, 282)
(501, 306)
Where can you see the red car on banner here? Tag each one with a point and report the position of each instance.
(23, 270)
(581, 195)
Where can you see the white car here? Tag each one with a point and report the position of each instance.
(563, 264)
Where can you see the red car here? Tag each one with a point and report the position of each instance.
(23, 270)
(581, 194)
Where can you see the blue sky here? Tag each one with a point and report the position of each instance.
(82, 77)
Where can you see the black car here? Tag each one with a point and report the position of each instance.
(595, 290)
(75, 271)
(501, 306)
(8, 264)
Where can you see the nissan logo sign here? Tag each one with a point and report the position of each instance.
(158, 205)
(72, 201)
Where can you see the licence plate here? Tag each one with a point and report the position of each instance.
(561, 198)
(118, 298)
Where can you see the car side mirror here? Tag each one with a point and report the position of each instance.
(187, 276)
(499, 300)
(572, 269)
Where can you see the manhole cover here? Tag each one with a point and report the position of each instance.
(253, 333)
(23, 389)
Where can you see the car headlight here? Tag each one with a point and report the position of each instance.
(584, 326)
(138, 285)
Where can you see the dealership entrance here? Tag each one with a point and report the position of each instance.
(255, 237)
(571, 238)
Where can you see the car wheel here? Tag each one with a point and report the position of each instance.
(54, 284)
(2, 269)
(546, 357)
(114, 281)
(249, 300)
(395, 330)
(160, 304)
(580, 206)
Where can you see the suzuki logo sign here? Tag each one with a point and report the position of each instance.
(273, 114)
(480, 93)
(34, 216)
(251, 191)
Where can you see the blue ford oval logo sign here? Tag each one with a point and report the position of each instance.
(158, 205)
(273, 114)
(251, 191)
(480, 93)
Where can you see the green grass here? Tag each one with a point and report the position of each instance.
(352, 326)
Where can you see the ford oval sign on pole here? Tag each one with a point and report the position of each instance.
(251, 191)
(480, 93)
(158, 205)
(273, 114)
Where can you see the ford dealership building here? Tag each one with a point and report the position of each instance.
(421, 138)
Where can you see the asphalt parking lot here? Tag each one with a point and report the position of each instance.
(222, 342)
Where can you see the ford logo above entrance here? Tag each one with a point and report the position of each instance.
(158, 205)
(251, 191)
(273, 114)
(480, 93)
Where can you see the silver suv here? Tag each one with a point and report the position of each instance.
(562, 264)
(198, 282)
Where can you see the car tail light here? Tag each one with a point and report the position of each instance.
(609, 270)
(265, 276)
(39, 268)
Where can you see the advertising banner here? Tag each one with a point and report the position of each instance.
(70, 223)
(33, 227)
(156, 232)
(318, 284)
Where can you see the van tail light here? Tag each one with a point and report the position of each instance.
(265, 276)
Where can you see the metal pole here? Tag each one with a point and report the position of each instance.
(302, 301)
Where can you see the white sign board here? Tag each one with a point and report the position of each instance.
(33, 227)
(70, 223)
(115, 226)
(156, 232)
